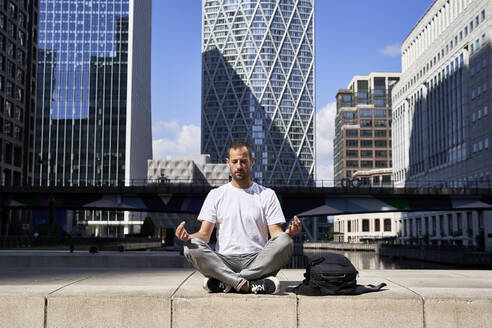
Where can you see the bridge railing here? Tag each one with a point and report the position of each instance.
(352, 184)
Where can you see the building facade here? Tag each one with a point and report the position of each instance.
(362, 143)
(258, 85)
(460, 228)
(188, 170)
(366, 227)
(18, 44)
(93, 115)
(441, 121)
(93, 97)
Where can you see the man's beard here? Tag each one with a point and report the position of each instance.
(242, 177)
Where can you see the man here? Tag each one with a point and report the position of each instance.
(245, 213)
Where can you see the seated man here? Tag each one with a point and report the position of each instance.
(244, 213)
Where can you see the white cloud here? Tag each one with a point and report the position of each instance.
(161, 129)
(391, 50)
(325, 132)
(175, 139)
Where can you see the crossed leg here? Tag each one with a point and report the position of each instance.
(234, 271)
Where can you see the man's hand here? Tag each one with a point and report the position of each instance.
(295, 227)
(181, 232)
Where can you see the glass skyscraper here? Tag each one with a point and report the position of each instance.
(93, 92)
(258, 85)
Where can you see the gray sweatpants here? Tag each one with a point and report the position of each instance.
(235, 270)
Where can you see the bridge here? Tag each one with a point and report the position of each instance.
(295, 200)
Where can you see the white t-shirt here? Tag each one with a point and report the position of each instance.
(242, 217)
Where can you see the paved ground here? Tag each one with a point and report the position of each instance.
(170, 297)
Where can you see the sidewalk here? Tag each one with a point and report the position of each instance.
(170, 297)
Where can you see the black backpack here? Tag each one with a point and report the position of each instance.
(332, 274)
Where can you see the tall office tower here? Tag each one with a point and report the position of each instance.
(441, 121)
(18, 42)
(258, 85)
(93, 95)
(362, 143)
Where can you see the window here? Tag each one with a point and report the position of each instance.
(380, 133)
(483, 38)
(18, 114)
(483, 15)
(375, 181)
(485, 111)
(366, 164)
(366, 143)
(379, 102)
(473, 117)
(381, 164)
(12, 10)
(351, 143)
(380, 123)
(366, 133)
(365, 113)
(376, 222)
(349, 115)
(471, 26)
(352, 153)
(480, 146)
(380, 113)
(365, 123)
(366, 153)
(365, 225)
(474, 148)
(352, 164)
(380, 143)
(381, 153)
(486, 143)
(351, 133)
(387, 224)
(479, 114)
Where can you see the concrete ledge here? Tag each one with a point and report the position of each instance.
(193, 307)
(80, 259)
(175, 298)
(22, 311)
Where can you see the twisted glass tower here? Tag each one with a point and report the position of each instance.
(258, 85)
(93, 92)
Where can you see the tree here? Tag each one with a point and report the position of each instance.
(148, 227)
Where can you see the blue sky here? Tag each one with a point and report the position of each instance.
(353, 37)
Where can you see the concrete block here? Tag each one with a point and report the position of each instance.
(112, 299)
(193, 307)
(118, 311)
(395, 306)
(21, 311)
(458, 312)
(360, 311)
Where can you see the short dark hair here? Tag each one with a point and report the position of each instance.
(240, 144)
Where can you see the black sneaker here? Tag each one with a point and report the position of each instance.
(213, 285)
(269, 285)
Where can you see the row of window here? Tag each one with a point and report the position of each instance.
(480, 113)
(354, 133)
(444, 51)
(367, 164)
(367, 153)
(481, 145)
(366, 143)
(365, 225)
(479, 90)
